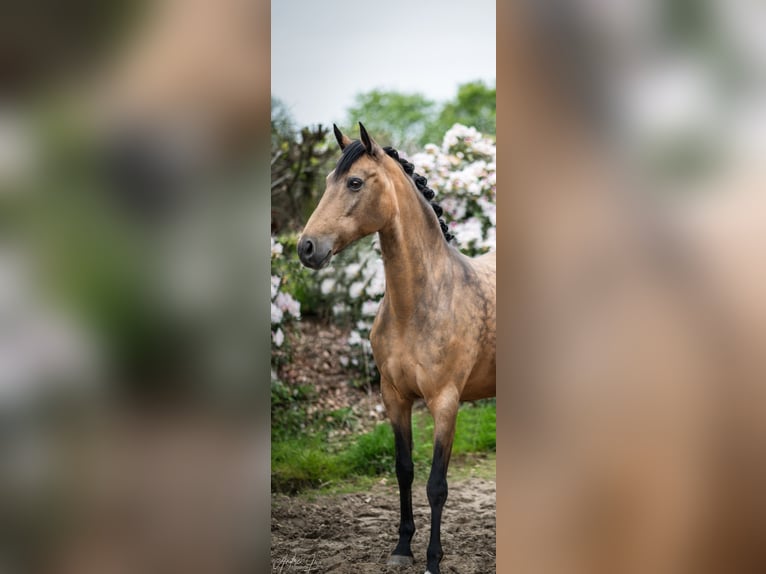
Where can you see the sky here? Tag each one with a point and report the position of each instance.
(324, 53)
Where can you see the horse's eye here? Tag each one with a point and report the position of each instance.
(354, 183)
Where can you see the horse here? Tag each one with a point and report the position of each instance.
(434, 333)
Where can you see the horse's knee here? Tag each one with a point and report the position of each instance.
(436, 489)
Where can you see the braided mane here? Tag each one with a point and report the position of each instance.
(420, 183)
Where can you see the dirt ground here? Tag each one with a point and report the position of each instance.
(354, 533)
(319, 357)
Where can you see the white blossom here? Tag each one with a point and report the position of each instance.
(327, 286)
(354, 338)
(377, 285)
(370, 308)
(276, 248)
(489, 209)
(356, 289)
(469, 231)
(352, 270)
(491, 241)
(276, 314)
(288, 304)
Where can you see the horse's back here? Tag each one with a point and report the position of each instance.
(484, 270)
(486, 261)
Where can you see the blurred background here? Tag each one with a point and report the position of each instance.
(630, 434)
(133, 278)
(677, 85)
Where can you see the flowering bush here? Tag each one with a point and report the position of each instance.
(462, 172)
(284, 307)
(355, 290)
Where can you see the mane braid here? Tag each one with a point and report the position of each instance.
(420, 184)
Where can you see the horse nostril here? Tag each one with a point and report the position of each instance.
(312, 252)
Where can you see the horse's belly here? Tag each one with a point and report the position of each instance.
(481, 381)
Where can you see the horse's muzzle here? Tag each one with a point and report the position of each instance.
(314, 252)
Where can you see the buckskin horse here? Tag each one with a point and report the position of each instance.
(434, 334)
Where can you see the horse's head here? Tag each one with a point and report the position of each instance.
(359, 200)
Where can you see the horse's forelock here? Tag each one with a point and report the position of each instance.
(351, 153)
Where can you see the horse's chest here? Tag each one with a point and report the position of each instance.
(396, 359)
(413, 358)
(397, 353)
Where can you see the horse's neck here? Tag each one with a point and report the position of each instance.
(415, 255)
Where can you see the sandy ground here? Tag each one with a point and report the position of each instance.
(354, 533)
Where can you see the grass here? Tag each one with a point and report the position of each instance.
(309, 459)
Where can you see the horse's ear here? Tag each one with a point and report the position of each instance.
(343, 140)
(369, 143)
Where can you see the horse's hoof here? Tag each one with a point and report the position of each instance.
(399, 560)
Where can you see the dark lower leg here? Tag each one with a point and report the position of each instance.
(437, 495)
(404, 476)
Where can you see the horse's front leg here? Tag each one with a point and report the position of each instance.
(444, 411)
(399, 412)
